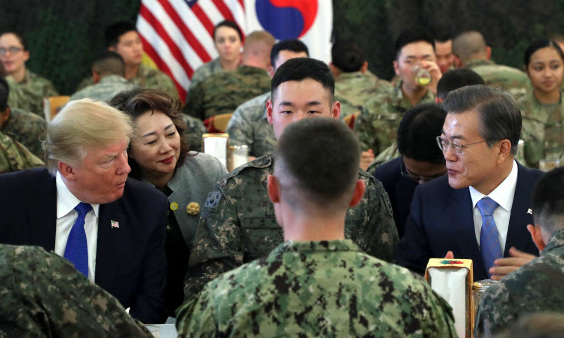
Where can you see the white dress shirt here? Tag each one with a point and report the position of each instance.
(503, 195)
(66, 216)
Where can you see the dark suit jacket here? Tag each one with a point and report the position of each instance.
(441, 220)
(400, 189)
(130, 260)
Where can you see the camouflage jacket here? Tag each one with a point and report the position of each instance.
(17, 97)
(223, 92)
(354, 89)
(15, 157)
(378, 122)
(27, 128)
(146, 77)
(317, 289)
(543, 129)
(34, 88)
(104, 90)
(42, 295)
(509, 79)
(249, 126)
(204, 71)
(238, 225)
(387, 155)
(195, 128)
(534, 287)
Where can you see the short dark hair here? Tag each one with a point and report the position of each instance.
(138, 101)
(299, 69)
(18, 36)
(320, 157)
(230, 24)
(418, 131)
(114, 31)
(538, 44)
(498, 112)
(109, 63)
(547, 200)
(347, 56)
(411, 36)
(457, 78)
(4, 93)
(293, 45)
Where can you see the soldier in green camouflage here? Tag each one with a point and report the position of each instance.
(354, 84)
(13, 55)
(204, 71)
(195, 128)
(249, 125)
(238, 223)
(317, 283)
(471, 52)
(536, 286)
(542, 108)
(122, 38)
(379, 119)
(42, 295)
(223, 92)
(26, 128)
(108, 70)
(15, 157)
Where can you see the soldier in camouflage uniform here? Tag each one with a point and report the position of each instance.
(354, 85)
(249, 125)
(536, 286)
(203, 72)
(223, 92)
(317, 283)
(195, 128)
(108, 71)
(15, 157)
(122, 38)
(42, 295)
(238, 223)
(379, 119)
(32, 86)
(471, 52)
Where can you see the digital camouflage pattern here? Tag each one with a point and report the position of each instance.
(195, 128)
(34, 88)
(534, 287)
(238, 224)
(108, 87)
(204, 71)
(223, 92)
(317, 289)
(543, 130)
(42, 295)
(509, 79)
(26, 128)
(17, 98)
(146, 77)
(354, 89)
(387, 155)
(249, 126)
(15, 157)
(376, 126)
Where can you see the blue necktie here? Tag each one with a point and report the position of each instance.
(489, 238)
(76, 250)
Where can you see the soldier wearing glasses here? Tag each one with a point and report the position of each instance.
(480, 210)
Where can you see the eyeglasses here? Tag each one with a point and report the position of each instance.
(418, 178)
(458, 148)
(12, 50)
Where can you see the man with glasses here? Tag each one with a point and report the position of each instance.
(480, 210)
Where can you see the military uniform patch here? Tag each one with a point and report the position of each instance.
(213, 201)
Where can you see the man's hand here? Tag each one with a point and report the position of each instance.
(435, 72)
(449, 255)
(504, 266)
(366, 158)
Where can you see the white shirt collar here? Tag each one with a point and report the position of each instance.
(66, 201)
(504, 192)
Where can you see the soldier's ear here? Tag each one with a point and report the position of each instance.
(536, 236)
(269, 111)
(273, 189)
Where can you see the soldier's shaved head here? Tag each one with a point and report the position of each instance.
(257, 49)
(469, 45)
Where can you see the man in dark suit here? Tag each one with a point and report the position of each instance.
(110, 227)
(481, 208)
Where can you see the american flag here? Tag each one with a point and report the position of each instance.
(178, 34)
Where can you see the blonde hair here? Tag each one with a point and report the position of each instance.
(81, 124)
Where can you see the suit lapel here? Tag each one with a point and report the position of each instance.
(109, 239)
(460, 215)
(42, 213)
(517, 234)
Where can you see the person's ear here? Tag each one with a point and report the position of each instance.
(504, 150)
(364, 67)
(67, 171)
(273, 189)
(489, 52)
(269, 109)
(536, 236)
(336, 109)
(396, 68)
(357, 194)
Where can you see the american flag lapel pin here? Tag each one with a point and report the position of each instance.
(115, 224)
(530, 211)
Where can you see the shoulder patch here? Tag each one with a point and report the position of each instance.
(212, 202)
